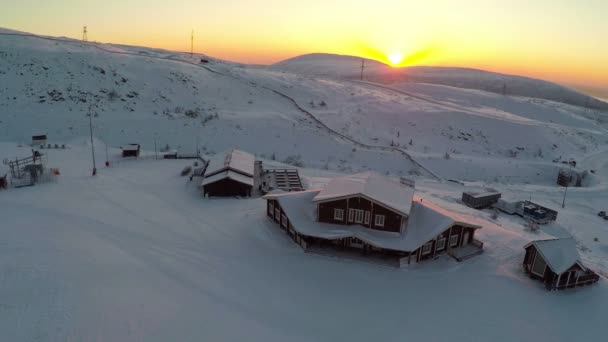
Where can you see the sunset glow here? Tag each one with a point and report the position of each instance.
(395, 58)
(516, 37)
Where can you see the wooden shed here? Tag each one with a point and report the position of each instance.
(231, 175)
(39, 140)
(557, 264)
(480, 200)
(131, 150)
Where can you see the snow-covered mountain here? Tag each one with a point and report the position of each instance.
(48, 85)
(350, 67)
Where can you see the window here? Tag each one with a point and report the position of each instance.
(367, 215)
(454, 240)
(277, 213)
(539, 266)
(379, 220)
(351, 213)
(441, 244)
(283, 220)
(426, 249)
(338, 214)
(359, 216)
(270, 208)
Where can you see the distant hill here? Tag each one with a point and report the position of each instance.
(349, 67)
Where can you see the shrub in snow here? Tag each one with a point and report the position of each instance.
(446, 156)
(323, 104)
(113, 95)
(295, 160)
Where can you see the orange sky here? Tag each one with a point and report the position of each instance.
(560, 40)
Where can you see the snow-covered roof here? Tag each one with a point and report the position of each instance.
(235, 176)
(482, 194)
(372, 185)
(426, 222)
(235, 159)
(560, 254)
(429, 220)
(130, 147)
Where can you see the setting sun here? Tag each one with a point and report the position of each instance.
(395, 58)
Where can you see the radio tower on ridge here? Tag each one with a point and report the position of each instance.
(192, 44)
(84, 34)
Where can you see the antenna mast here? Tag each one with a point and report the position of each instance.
(192, 44)
(362, 67)
(84, 34)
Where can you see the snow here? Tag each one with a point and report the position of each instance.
(560, 254)
(394, 195)
(136, 253)
(481, 194)
(235, 176)
(427, 221)
(349, 67)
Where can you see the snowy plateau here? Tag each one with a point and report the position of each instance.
(137, 254)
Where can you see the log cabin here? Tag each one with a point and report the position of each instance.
(130, 150)
(557, 264)
(229, 175)
(371, 215)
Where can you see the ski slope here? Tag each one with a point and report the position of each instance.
(135, 254)
(150, 95)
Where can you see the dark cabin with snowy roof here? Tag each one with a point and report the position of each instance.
(557, 264)
(229, 175)
(370, 215)
(131, 150)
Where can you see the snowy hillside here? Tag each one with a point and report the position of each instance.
(142, 95)
(350, 67)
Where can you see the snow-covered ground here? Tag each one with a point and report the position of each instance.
(135, 254)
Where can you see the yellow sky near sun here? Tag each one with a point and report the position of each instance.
(557, 40)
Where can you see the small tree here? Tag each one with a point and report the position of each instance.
(411, 142)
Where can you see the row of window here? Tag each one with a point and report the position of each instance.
(358, 216)
(441, 241)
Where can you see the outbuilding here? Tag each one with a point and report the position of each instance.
(480, 200)
(557, 264)
(131, 150)
(229, 175)
(39, 140)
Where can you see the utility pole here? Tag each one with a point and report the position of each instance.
(192, 44)
(564, 200)
(362, 67)
(107, 159)
(85, 38)
(92, 145)
(155, 150)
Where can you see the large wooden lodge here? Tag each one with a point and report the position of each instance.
(369, 215)
(557, 264)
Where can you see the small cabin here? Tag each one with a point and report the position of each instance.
(131, 150)
(557, 264)
(39, 140)
(537, 213)
(229, 175)
(480, 200)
